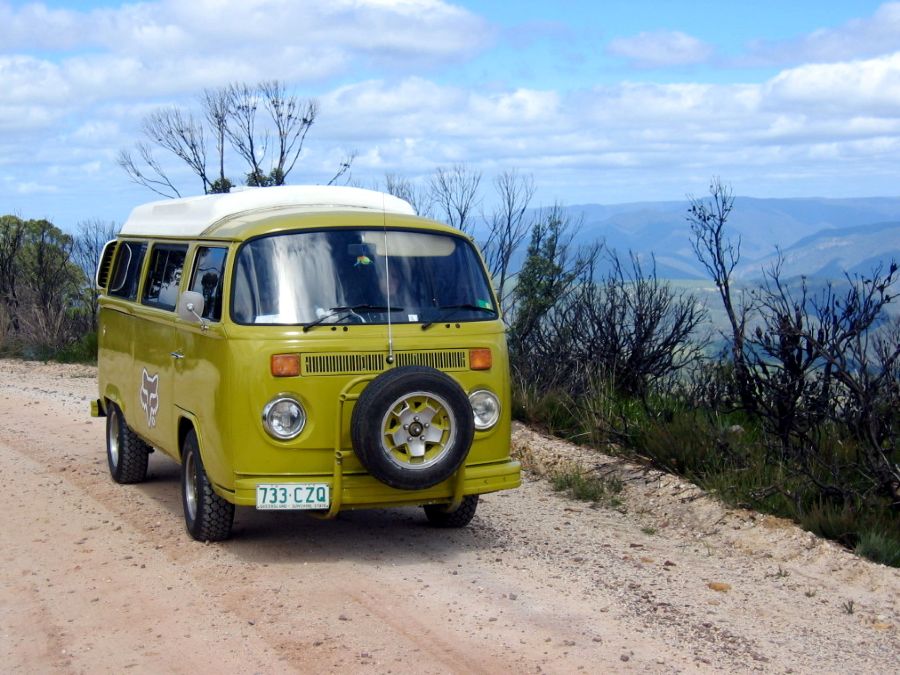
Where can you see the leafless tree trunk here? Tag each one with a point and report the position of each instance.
(719, 255)
(292, 118)
(454, 191)
(508, 227)
(242, 132)
(217, 108)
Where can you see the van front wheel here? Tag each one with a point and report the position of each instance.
(207, 516)
(126, 454)
(438, 515)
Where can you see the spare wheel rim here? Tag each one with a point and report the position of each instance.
(418, 430)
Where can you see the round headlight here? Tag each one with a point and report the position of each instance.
(284, 418)
(485, 407)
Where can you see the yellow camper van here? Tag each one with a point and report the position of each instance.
(303, 347)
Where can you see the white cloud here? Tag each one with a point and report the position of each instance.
(31, 188)
(172, 48)
(67, 115)
(660, 49)
(858, 38)
(872, 85)
(256, 29)
(795, 120)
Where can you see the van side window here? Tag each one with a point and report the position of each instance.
(208, 280)
(127, 273)
(164, 276)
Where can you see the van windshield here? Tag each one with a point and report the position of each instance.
(359, 276)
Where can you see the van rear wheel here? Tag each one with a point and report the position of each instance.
(126, 454)
(207, 516)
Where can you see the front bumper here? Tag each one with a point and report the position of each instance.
(356, 491)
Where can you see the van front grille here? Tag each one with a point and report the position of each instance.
(376, 362)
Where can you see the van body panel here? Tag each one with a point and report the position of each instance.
(215, 375)
(311, 453)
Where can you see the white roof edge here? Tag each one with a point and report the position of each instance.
(191, 216)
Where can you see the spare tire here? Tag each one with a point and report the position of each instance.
(412, 427)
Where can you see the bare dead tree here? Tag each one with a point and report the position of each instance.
(244, 102)
(270, 144)
(862, 352)
(454, 191)
(216, 105)
(508, 227)
(344, 167)
(629, 329)
(719, 255)
(823, 364)
(292, 118)
(790, 382)
(405, 189)
(182, 135)
(156, 179)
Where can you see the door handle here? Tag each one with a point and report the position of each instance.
(176, 355)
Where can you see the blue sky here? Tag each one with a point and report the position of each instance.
(603, 102)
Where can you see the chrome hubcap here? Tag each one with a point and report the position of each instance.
(113, 440)
(190, 485)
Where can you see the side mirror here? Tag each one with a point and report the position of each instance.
(190, 307)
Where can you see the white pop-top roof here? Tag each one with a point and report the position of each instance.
(191, 216)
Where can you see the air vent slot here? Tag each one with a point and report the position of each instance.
(376, 362)
(450, 360)
(105, 265)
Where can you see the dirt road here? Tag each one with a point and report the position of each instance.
(99, 577)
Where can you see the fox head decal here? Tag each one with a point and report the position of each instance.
(150, 397)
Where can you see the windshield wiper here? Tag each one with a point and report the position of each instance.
(454, 309)
(350, 309)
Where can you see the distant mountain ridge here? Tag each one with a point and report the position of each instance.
(829, 254)
(819, 237)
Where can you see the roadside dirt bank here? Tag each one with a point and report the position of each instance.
(99, 577)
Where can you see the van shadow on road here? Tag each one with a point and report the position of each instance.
(398, 536)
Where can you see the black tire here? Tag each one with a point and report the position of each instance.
(412, 427)
(439, 517)
(126, 454)
(207, 516)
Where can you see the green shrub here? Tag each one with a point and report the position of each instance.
(688, 443)
(880, 547)
(587, 487)
(553, 410)
(82, 351)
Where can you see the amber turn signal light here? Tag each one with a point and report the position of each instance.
(480, 359)
(285, 365)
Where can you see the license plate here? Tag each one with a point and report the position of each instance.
(284, 496)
